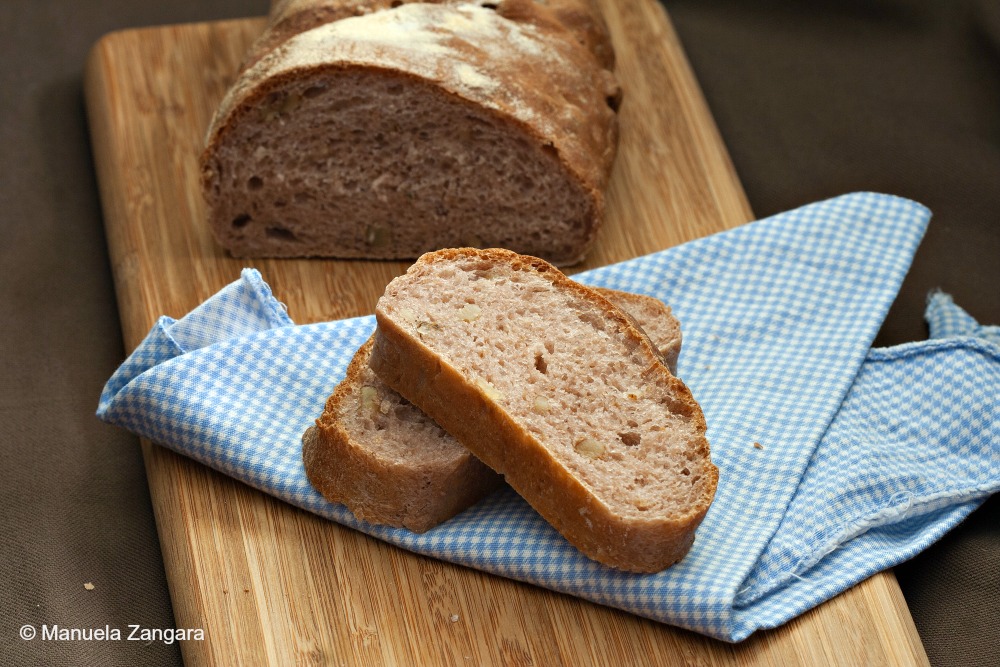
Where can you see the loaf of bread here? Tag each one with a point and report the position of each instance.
(381, 130)
(383, 458)
(552, 386)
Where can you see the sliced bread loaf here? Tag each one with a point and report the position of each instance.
(378, 454)
(548, 383)
(412, 128)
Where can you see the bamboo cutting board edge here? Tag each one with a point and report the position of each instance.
(269, 580)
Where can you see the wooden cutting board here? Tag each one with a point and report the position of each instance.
(270, 584)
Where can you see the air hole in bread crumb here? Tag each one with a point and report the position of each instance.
(630, 439)
(255, 183)
(489, 5)
(685, 472)
(241, 221)
(314, 91)
(540, 365)
(614, 101)
(280, 234)
(395, 3)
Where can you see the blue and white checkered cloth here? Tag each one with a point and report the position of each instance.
(836, 460)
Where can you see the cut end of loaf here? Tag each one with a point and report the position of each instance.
(578, 397)
(360, 163)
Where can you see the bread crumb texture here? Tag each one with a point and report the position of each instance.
(390, 426)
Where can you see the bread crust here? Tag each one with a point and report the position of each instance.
(645, 544)
(581, 18)
(376, 488)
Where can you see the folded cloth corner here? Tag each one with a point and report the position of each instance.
(836, 460)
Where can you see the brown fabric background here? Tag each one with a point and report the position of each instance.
(813, 100)
(74, 505)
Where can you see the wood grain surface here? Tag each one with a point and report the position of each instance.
(270, 584)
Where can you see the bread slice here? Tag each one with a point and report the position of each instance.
(412, 128)
(654, 318)
(378, 454)
(387, 461)
(549, 384)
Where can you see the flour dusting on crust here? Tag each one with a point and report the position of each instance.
(469, 50)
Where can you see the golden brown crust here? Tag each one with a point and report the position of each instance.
(375, 488)
(419, 374)
(580, 18)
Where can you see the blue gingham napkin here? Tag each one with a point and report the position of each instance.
(836, 460)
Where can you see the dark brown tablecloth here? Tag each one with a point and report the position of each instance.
(813, 100)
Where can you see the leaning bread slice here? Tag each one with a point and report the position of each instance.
(554, 387)
(653, 317)
(387, 461)
(378, 454)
